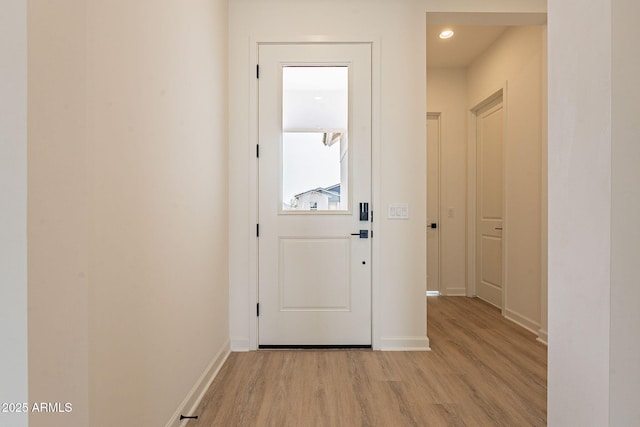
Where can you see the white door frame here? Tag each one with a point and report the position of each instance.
(438, 116)
(252, 295)
(471, 191)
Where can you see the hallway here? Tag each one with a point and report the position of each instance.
(483, 370)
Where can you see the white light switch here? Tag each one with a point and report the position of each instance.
(398, 211)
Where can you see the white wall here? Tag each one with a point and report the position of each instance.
(516, 59)
(594, 204)
(543, 334)
(447, 94)
(13, 211)
(157, 103)
(625, 212)
(58, 211)
(128, 279)
(579, 212)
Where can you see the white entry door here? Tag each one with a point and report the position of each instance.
(489, 204)
(314, 250)
(433, 202)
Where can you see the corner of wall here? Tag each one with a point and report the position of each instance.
(193, 399)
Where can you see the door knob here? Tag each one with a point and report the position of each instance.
(364, 234)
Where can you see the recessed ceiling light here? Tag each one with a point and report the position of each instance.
(446, 34)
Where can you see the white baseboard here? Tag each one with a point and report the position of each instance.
(193, 398)
(456, 292)
(543, 336)
(240, 344)
(525, 322)
(490, 294)
(404, 344)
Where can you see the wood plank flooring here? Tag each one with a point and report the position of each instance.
(483, 370)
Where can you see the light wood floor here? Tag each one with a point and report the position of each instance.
(482, 371)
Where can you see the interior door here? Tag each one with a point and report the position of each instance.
(314, 244)
(489, 204)
(433, 203)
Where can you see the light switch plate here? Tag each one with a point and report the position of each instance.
(398, 211)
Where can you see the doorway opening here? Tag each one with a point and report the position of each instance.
(489, 80)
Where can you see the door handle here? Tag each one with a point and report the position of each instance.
(364, 234)
(498, 228)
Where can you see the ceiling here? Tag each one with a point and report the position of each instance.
(460, 50)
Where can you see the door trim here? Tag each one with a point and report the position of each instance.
(471, 191)
(253, 177)
(440, 238)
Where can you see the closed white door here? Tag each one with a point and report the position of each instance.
(433, 202)
(489, 204)
(314, 166)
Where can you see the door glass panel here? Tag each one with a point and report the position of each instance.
(315, 149)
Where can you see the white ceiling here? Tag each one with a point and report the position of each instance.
(460, 50)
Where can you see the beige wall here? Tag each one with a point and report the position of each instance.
(58, 211)
(580, 213)
(128, 289)
(13, 210)
(447, 94)
(543, 333)
(625, 212)
(515, 60)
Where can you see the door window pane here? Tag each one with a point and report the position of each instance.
(315, 149)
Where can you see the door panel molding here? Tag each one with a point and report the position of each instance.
(297, 252)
